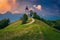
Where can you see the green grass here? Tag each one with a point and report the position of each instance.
(18, 31)
(49, 33)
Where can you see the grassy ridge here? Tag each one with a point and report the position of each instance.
(36, 31)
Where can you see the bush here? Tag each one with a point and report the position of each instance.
(24, 19)
(4, 23)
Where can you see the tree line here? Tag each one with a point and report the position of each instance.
(50, 23)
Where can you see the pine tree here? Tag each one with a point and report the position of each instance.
(24, 19)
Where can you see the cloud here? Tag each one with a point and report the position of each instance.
(7, 5)
(38, 7)
(16, 6)
(13, 6)
(31, 9)
(4, 6)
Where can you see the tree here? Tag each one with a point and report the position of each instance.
(31, 13)
(35, 16)
(24, 19)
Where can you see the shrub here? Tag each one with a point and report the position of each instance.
(4, 23)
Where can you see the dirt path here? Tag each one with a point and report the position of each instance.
(31, 22)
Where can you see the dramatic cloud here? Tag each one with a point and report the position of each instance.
(7, 5)
(39, 7)
(4, 6)
(14, 6)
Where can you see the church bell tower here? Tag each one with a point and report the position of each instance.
(27, 10)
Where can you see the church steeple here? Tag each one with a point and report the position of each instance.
(27, 10)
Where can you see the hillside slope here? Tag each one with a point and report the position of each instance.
(35, 31)
(57, 22)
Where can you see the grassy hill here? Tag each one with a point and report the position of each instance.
(35, 31)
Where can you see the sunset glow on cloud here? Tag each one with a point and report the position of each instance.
(6, 5)
(38, 7)
(13, 6)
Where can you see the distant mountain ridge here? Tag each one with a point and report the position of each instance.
(12, 17)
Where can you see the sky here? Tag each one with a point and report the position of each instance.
(49, 9)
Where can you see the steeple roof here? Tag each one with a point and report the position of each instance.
(26, 8)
